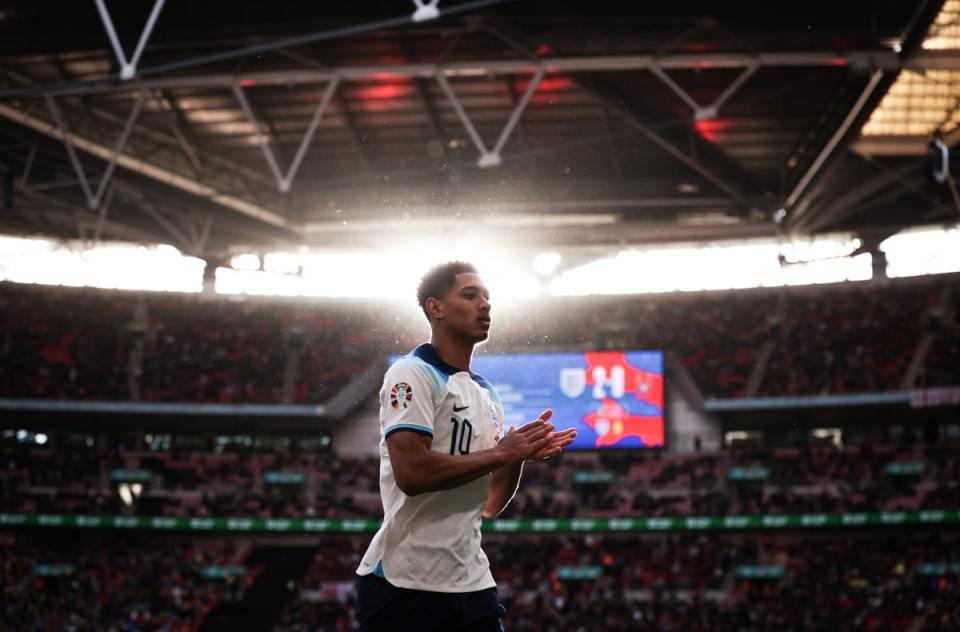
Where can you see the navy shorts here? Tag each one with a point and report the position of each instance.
(383, 607)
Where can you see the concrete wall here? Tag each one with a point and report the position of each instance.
(686, 419)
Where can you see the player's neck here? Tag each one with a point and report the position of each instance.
(456, 353)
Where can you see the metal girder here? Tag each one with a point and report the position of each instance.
(94, 198)
(425, 10)
(99, 220)
(28, 165)
(702, 112)
(900, 145)
(148, 169)
(491, 157)
(351, 124)
(733, 182)
(430, 11)
(834, 142)
(177, 125)
(846, 205)
(242, 172)
(799, 202)
(284, 180)
(863, 60)
(128, 68)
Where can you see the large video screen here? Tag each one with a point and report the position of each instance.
(613, 398)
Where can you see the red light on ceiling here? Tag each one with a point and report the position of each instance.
(247, 83)
(547, 84)
(389, 76)
(543, 50)
(381, 92)
(837, 61)
(711, 129)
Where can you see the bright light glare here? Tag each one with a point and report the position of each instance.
(711, 267)
(390, 275)
(395, 273)
(922, 251)
(282, 262)
(230, 281)
(245, 261)
(807, 250)
(115, 265)
(40, 438)
(546, 262)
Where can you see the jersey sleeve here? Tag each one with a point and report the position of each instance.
(407, 400)
(502, 423)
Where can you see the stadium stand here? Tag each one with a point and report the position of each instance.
(55, 582)
(320, 484)
(65, 343)
(694, 582)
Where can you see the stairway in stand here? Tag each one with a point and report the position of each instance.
(261, 605)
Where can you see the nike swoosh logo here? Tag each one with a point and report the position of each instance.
(456, 410)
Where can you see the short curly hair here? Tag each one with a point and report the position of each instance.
(439, 279)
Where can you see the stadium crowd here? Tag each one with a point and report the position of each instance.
(694, 582)
(64, 343)
(60, 582)
(269, 483)
(879, 580)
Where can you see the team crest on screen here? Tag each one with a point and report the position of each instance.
(401, 395)
(573, 382)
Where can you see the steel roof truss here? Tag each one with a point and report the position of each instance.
(128, 68)
(426, 10)
(702, 112)
(284, 181)
(490, 158)
(94, 199)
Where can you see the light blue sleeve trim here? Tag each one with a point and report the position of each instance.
(438, 377)
(413, 427)
(494, 395)
(378, 569)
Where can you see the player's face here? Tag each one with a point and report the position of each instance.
(467, 307)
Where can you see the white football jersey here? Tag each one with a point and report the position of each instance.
(432, 541)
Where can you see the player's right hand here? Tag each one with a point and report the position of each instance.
(520, 444)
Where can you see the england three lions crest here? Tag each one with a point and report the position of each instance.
(573, 382)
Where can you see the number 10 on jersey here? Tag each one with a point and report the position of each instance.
(465, 429)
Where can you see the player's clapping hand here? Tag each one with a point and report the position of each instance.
(558, 443)
(536, 440)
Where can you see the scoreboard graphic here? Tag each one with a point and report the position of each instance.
(613, 398)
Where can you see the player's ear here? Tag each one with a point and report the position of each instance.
(434, 308)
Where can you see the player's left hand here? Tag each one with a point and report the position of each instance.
(559, 440)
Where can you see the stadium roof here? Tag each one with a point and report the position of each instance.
(272, 125)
